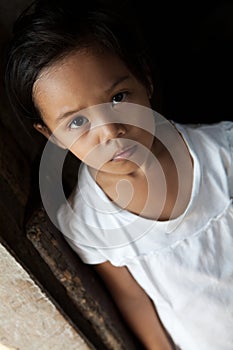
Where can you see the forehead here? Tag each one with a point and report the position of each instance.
(80, 68)
(77, 81)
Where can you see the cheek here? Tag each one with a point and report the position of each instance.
(81, 147)
(144, 97)
(143, 136)
(91, 153)
(78, 143)
(139, 118)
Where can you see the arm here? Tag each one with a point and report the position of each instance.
(135, 306)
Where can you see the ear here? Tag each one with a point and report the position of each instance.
(42, 129)
(48, 134)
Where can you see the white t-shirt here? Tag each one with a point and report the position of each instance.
(185, 265)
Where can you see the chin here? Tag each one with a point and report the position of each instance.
(120, 167)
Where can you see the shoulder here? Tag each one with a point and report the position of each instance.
(205, 127)
(216, 136)
(83, 221)
(213, 146)
(74, 213)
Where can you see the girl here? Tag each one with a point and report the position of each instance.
(152, 210)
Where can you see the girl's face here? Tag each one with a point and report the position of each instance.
(93, 105)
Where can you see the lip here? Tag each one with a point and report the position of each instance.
(124, 153)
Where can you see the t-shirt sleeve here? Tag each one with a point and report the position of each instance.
(88, 255)
(229, 132)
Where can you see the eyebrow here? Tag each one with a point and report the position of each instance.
(63, 116)
(118, 81)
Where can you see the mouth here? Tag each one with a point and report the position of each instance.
(124, 153)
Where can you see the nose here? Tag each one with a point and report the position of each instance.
(107, 123)
(110, 131)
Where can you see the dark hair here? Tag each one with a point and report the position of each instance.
(48, 30)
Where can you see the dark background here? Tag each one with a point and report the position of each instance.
(192, 44)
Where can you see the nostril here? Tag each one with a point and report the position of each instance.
(121, 129)
(111, 131)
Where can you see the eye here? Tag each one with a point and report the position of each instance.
(78, 122)
(120, 97)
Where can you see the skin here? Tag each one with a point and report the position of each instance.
(94, 86)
